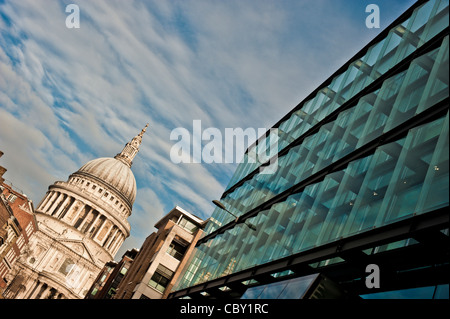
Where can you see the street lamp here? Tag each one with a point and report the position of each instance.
(222, 206)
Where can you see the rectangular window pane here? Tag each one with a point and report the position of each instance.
(161, 278)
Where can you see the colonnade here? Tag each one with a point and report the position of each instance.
(34, 289)
(84, 218)
(43, 291)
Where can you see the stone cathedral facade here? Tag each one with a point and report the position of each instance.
(82, 224)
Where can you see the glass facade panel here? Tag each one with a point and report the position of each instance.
(296, 288)
(431, 292)
(272, 291)
(287, 289)
(253, 293)
(441, 292)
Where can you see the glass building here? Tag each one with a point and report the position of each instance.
(361, 178)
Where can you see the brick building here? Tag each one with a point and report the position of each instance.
(2, 170)
(20, 227)
(9, 232)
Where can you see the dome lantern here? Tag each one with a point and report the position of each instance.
(131, 149)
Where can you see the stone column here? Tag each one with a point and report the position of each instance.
(114, 242)
(85, 219)
(77, 214)
(61, 207)
(67, 208)
(45, 293)
(93, 222)
(107, 235)
(101, 225)
(110, 240)
(106, 222)
(56, 203)
(44, 203)
(84, 277)
(40, 291)
(117, 244)
(52, 200)
(51, 204)
(71, 211)
(35, 290)
(28, 287)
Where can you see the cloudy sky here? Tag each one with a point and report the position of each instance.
(68, 96)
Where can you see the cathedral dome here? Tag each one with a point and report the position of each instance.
(114, 173)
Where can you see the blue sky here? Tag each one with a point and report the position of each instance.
(68, 96)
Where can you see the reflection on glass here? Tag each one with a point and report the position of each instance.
(287, 289)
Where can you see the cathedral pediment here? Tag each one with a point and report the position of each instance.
(78, 247)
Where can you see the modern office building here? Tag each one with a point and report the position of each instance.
(162, 256)
(357, 204)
